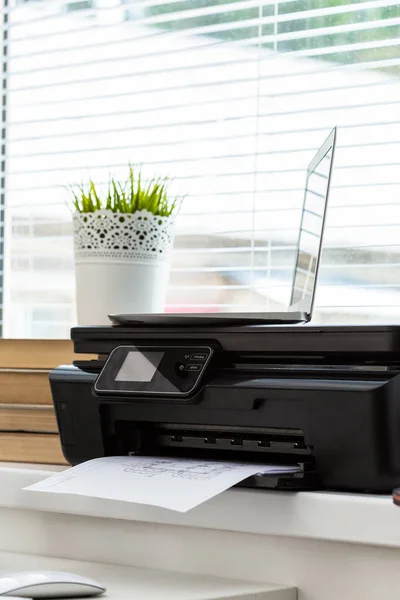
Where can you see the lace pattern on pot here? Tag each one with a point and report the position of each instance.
(138, 236)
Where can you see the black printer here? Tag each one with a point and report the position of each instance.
(324, 398)
(244, 387)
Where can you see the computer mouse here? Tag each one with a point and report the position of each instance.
(48, 584)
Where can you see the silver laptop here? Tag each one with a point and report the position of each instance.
(308, 257)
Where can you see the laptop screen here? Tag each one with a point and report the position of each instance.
(307, 258)
(312, 227)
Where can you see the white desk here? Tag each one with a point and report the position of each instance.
(132, 583)
(329, 546)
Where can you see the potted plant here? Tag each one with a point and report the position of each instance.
(122, 245)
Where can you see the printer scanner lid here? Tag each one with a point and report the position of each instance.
(311, 340)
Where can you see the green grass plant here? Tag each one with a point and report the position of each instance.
(128, 196)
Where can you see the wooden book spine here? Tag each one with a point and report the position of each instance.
(26, 418)
(23, 386)
(31, 448)
(35, 354)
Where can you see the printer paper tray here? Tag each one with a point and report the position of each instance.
(276, 452)
(254, 445)
(303, 480)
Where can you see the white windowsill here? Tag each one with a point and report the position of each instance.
(357, 518)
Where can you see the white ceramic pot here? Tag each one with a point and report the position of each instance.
(122, 263)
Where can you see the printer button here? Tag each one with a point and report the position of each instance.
(180, 370)
(194, 367)
(199, 356)
(65, 424)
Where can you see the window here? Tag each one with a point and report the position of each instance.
(230, 98)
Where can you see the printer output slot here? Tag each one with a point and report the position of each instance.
(252, 444)
(233, 440)
(226, 443)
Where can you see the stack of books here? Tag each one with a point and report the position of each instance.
(28, 427)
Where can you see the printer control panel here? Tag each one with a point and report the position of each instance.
(153, 370)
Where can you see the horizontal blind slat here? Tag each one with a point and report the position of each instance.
(269, 125)
(245, 94)
(200, 42)
(276, 18)
(202, 62)
(375, 64)
(237, 108)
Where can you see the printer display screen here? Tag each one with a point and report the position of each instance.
(153, 370)
(139, 366)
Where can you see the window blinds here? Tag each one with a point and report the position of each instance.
(230, 99)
